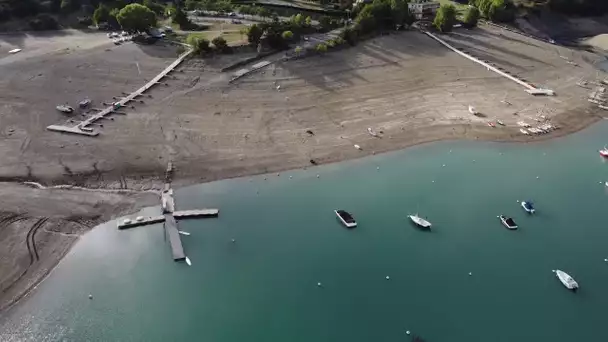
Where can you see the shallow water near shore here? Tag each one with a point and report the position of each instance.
(264, 287)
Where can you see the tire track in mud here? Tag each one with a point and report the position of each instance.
(37, 226)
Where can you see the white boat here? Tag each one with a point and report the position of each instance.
(420, 222)
(500, 122)
(528, 206)
(65, 109)
(371, 132)
(523, 131)
(188, 261)
(139, 218)
(606, 183)
(473, 111)
(346, 218)
(13, 51)
(567, 280)
(357, 147)
(183, 233)
(508, 222)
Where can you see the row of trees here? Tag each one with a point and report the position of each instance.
(495, 10)
(382, 15)
(132, 17)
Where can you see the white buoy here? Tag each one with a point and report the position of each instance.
(90, 296)
(378, 168)
(408, 332)
(290, 177)
(470, 274)
(443, 165)
(433, 182)
(318, 176)
(319, 284)
(553, 271)
(233, 240)
(606, 260)
(537, 177)
(387, 277)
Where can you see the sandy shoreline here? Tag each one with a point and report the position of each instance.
(405, 85)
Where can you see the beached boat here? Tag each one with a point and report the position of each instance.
(346, 218)
(500, 122)
(528, 207)
(567, 280)
(65, 109)
(491, 124)
(604, 152)
(523, 131)
(420, 222)
(473, 111)
(372, 132)
(84, 103)
(508, 222)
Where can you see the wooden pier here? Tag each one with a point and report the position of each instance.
(169, 217)
(174, 239)
(184, 214)
(124, 224)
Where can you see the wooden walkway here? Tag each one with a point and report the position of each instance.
(83, 127)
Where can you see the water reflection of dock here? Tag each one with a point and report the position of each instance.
(169, 217)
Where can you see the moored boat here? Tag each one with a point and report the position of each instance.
(65, 109)
(346, 218)
(604, 152)
(528, 207)
(420, 222)
(500, 122)
(567, 280)
(508, 222)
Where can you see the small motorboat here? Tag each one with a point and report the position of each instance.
(473, 111)
(528, 207)
(346, 218)
(508, 222)
(567, 280)
(188, 261)
(183, 233)
(139, 218)
(65, 109)
(84, 103)
(606, 183)
(604, 152)
(500, 122)
(420, 222)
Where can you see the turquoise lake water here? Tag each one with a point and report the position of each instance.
(264, 286)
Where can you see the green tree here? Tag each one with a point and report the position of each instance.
(365, 22)
(445, 18)
(199, 44)
(287, 35)
(471, 17)
(399, 11)
(220, 43)
(112, 20)
(297, 19)
(308, 21)
(101, 14)
(136, 17)
(500, 11)
(254, 34)
(154, 6)
(298, 50)
(321, 48)
(180, 18)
